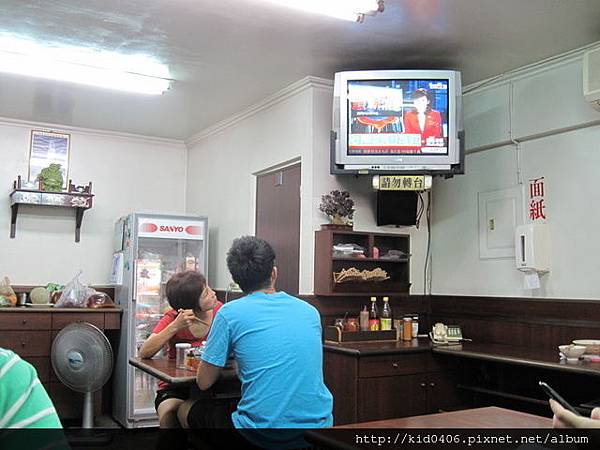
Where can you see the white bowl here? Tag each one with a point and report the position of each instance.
(572, 351)
(592, 346)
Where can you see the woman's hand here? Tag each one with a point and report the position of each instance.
(566, 419)
(184, 319)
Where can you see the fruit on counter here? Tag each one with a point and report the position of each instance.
(39, 296)
(99, 300)
(7, 292)
(53, 287)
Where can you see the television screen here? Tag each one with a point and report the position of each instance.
(397, 121)
(397, 117)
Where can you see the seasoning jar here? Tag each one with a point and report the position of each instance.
(190, 360)
(364, 319)
(351, 324)
(407, 328)
(181, 350)
(415, 326)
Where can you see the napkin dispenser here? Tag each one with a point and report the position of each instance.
(532, 248)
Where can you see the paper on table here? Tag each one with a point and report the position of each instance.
(532, 280)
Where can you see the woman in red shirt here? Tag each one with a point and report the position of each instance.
(194, 305)
(423, 120)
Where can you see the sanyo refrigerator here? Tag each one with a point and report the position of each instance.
(148, 250)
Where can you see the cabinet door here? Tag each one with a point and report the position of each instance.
(442, 394)
(389, 397)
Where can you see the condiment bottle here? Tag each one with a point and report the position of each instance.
(386, 315)
(190, 359)
(364, 319)
(407, 328)
(415, 326)
(181, 349)
(375, 253)
(374, 315)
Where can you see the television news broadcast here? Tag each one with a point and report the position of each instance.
(398, 117)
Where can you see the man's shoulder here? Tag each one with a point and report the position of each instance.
(6, 355)
(298, 302)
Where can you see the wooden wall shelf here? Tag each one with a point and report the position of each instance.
(326, 263)
(80, 200)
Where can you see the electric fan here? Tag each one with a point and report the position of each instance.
(82, 359)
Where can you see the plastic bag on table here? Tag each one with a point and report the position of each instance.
(7, 292)
(74, 295)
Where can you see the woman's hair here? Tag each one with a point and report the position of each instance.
(250, 261)
(422, 93)
(184, 289)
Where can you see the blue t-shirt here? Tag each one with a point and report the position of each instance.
(276, 341)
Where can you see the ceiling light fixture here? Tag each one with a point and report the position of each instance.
(111, 70)
(353, 10)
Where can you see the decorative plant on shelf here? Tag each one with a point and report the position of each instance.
(338, 206)
(51, 178)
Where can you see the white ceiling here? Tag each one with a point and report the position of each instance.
(228, 54)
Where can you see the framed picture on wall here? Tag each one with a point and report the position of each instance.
(47, 148)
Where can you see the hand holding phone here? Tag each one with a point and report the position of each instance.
(554, 395)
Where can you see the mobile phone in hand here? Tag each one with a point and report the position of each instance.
(554, 395)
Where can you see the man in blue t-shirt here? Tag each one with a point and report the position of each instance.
(276, 341)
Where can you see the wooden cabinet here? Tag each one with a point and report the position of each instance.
(370, 387)
(389, 252)
(29, 333)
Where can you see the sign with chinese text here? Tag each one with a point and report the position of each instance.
(536, 202)
(404, 182)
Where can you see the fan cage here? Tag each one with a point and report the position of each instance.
(82, 357)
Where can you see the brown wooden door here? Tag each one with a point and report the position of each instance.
(278, 221)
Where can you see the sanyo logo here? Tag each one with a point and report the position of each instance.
(171, 228)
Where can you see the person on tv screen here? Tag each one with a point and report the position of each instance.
(423, 120)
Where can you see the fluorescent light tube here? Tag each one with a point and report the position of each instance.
(135, 73)
(340, 9)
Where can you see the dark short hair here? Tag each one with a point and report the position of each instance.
(184, 289)
(418, 93)
(250, 261)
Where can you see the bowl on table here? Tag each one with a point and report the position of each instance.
(592, 346)
(572, 352)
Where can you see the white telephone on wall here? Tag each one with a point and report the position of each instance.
(446, 334)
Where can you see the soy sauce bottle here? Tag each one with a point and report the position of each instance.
(373, 315)
(386, 315)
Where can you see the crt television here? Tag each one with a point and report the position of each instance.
(397, 121)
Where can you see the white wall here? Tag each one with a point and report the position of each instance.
(129, 173)
(222, 163)
(544, 108)
(225, 158)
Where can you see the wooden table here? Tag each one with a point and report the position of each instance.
(489, 417)
(479, 418)
(227, 386)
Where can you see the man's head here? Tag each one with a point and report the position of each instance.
(184, 290)
(251, 262)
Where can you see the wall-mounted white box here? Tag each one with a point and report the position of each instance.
(499, 213)
(532, 244)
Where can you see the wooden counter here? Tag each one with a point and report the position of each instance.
(541, 358)
(29, 332)
(378, 347)
(384, 379)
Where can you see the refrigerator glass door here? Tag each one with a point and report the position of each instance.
(157, 260)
